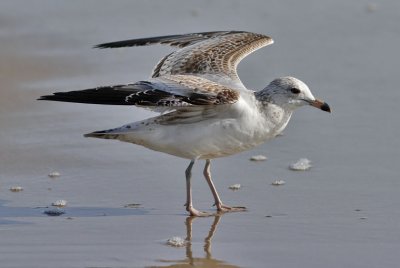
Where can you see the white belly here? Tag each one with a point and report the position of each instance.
(206, 139)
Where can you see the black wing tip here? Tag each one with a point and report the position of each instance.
(58, 96)
(46, 97)
(118, 44)
(126, 43)
(102, 46)
(157, 39)
(52, 98)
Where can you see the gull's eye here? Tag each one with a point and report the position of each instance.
(295, 90)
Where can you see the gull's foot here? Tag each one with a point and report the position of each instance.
(194, 212)
(223, 208)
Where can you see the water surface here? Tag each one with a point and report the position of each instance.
(342, 213)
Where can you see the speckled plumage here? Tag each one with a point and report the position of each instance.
(208, 112)
(215, 59)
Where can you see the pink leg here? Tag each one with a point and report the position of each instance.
(220, 206)
(189, 204)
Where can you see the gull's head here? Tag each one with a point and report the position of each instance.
(291, 93)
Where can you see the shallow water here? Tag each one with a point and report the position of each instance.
(343, 212)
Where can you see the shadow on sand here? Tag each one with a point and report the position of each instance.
(27, 212)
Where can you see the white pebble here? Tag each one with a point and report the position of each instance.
(176, 241)
(258, 158)
(16, 189)
(235, 186)
(278, 182)
(54, 174)
(59, 203)
(301, 164)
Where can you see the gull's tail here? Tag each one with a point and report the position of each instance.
(114, 133)
(103, 134)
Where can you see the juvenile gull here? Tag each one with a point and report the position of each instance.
(206, 111)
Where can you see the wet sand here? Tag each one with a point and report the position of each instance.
(343, 212)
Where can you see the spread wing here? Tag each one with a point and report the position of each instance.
(212, 55)
(179, 40)
(168, 92)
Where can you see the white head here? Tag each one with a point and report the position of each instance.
(290, 93)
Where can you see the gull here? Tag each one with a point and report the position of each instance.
(205, 110)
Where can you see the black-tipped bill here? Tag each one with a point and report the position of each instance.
(321, 105)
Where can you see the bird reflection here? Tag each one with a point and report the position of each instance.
(191, 261)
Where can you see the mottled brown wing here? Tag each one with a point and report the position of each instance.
(215, 58)
(213, 55)
(199, 91)
(171, 92)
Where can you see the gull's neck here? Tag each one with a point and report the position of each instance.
(269, 96)
(275, 112)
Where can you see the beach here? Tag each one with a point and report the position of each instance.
(124, 201)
